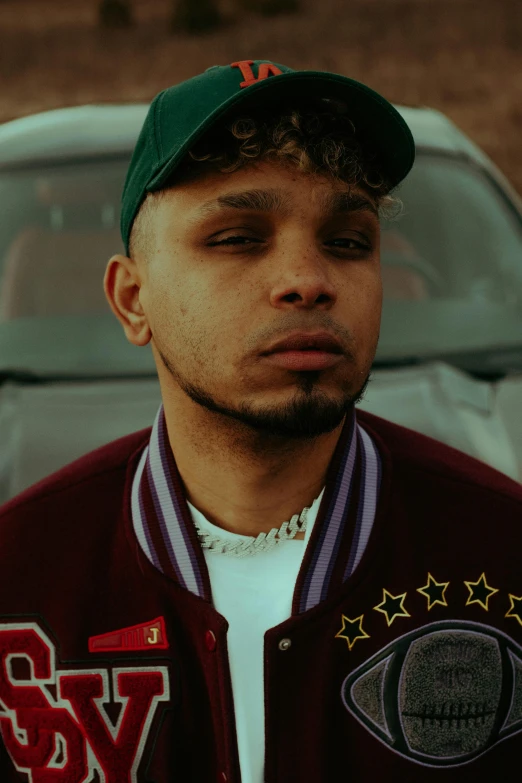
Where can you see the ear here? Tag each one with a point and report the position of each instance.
(122, 284)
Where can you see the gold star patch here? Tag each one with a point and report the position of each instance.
(392, 606)
(479, 592)
(515, 610)
(352, 630)
(434, 592)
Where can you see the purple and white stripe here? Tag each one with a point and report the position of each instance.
(163, 535)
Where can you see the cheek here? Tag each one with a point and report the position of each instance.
(185, 310)
(366, 291)
(364, 312)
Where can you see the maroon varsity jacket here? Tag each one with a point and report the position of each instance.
(408, 670)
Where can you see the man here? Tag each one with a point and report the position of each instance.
(264, 585)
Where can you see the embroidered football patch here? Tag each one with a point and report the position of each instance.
(441, 695)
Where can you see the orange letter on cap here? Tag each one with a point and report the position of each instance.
(265, 69)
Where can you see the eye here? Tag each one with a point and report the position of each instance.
(359, 245)
(235, 240)
(242, 240)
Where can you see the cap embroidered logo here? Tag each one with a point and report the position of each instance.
(264, 70)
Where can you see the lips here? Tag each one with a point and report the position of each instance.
(303, 360)
(303, 341)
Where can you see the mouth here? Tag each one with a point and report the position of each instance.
(304, 359)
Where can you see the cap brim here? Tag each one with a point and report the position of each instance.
(374, 118)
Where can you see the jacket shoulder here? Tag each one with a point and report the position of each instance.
(102, 461)
(417, 453)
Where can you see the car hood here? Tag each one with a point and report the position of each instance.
(44, 427)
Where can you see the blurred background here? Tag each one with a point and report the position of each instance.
(77, 78)
(463, 57)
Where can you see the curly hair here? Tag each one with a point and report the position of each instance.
(318, 138)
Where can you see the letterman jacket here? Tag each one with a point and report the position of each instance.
(401, 659)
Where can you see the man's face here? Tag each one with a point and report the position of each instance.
(224, 282)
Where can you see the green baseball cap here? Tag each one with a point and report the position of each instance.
(180, 115)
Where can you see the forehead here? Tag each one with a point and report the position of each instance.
(270, 187)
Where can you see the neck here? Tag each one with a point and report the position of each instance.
(242, 492)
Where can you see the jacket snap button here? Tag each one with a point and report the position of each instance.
(284, 644)
(210, 641)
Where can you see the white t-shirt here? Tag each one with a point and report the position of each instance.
(253, 593)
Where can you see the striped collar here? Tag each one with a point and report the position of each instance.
(165, 529)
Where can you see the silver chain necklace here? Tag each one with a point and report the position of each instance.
(257, 544)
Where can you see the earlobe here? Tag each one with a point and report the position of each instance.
(139, 337)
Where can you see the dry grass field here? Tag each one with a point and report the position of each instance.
(463, 57)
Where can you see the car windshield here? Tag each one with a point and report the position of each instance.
(451, 269)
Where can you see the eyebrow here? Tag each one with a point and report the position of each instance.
(273, 200)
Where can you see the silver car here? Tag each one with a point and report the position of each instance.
(449, 361)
